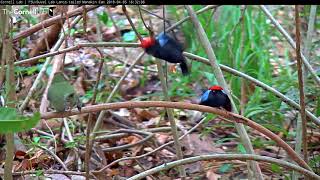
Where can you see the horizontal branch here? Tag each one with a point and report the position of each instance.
(77, 47)
(225, 157)
(49, 22)
(22, 173)
(180, 105)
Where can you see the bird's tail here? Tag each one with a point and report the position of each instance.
(228, 106)
(184, 67)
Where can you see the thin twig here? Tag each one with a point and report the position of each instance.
(221, 81)
(131, 23)
(107, 135)
(148, 135)
(58, 65)
(173, 125)
(154, 14)
(153, 151)
(308, 43)
(225, 157)
(89, 145)
(45, 37)
(181, 105)
(43, 69)
(53, 136)
(117, 30)
(307, 52)
(22, 173)
(50, 22)
(301, 85)
(188, 17)
(91, 136)
(54, 156)
(66, 126)
(291, 42)
(115, 89)
(144, 23)
(7, 55)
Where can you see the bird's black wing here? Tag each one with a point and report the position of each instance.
(175, 44)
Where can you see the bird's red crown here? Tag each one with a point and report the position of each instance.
(215, 88)
(147, 42)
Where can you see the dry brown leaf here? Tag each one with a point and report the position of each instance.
(162, 138)
(114, 155)
(113, 172)
(127, 171)
(71, 158)
(53, 124)
(78, 84)
(200, 146)
(109, 34)
(211, 175)
(129, 140)
(118, 10)
(143, 114)
(58, 177)
(39, 159)
(167, 153)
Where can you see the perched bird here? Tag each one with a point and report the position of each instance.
(216, 97)
(62, 95)
(166, 48)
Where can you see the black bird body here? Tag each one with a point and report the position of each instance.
(166, 48)
(216, 97)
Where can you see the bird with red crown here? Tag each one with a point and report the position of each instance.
(216, 97)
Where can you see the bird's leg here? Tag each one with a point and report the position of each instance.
(79, 105)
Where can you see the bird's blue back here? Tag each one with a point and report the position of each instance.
(168, 42)
(205, 96)
(162, 39)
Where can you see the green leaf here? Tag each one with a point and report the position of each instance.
(36, 139)
(72, 31)
(254, 111)
(315, 161)
(275, 168)
(241, 149)
(71, 144)
(39, 173)
(10, 122)
(49, 70)
(209, 117)
(318, 107)
(225, 168)
(210, 77)
(220, 141)
(258, 143)
(129, 36)
(274, 128)
(103, 17)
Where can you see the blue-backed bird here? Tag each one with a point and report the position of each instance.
(216, 97)
(166, 48)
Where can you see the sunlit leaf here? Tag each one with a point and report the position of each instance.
(129, 36)
(11, 122)
(225, 168)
